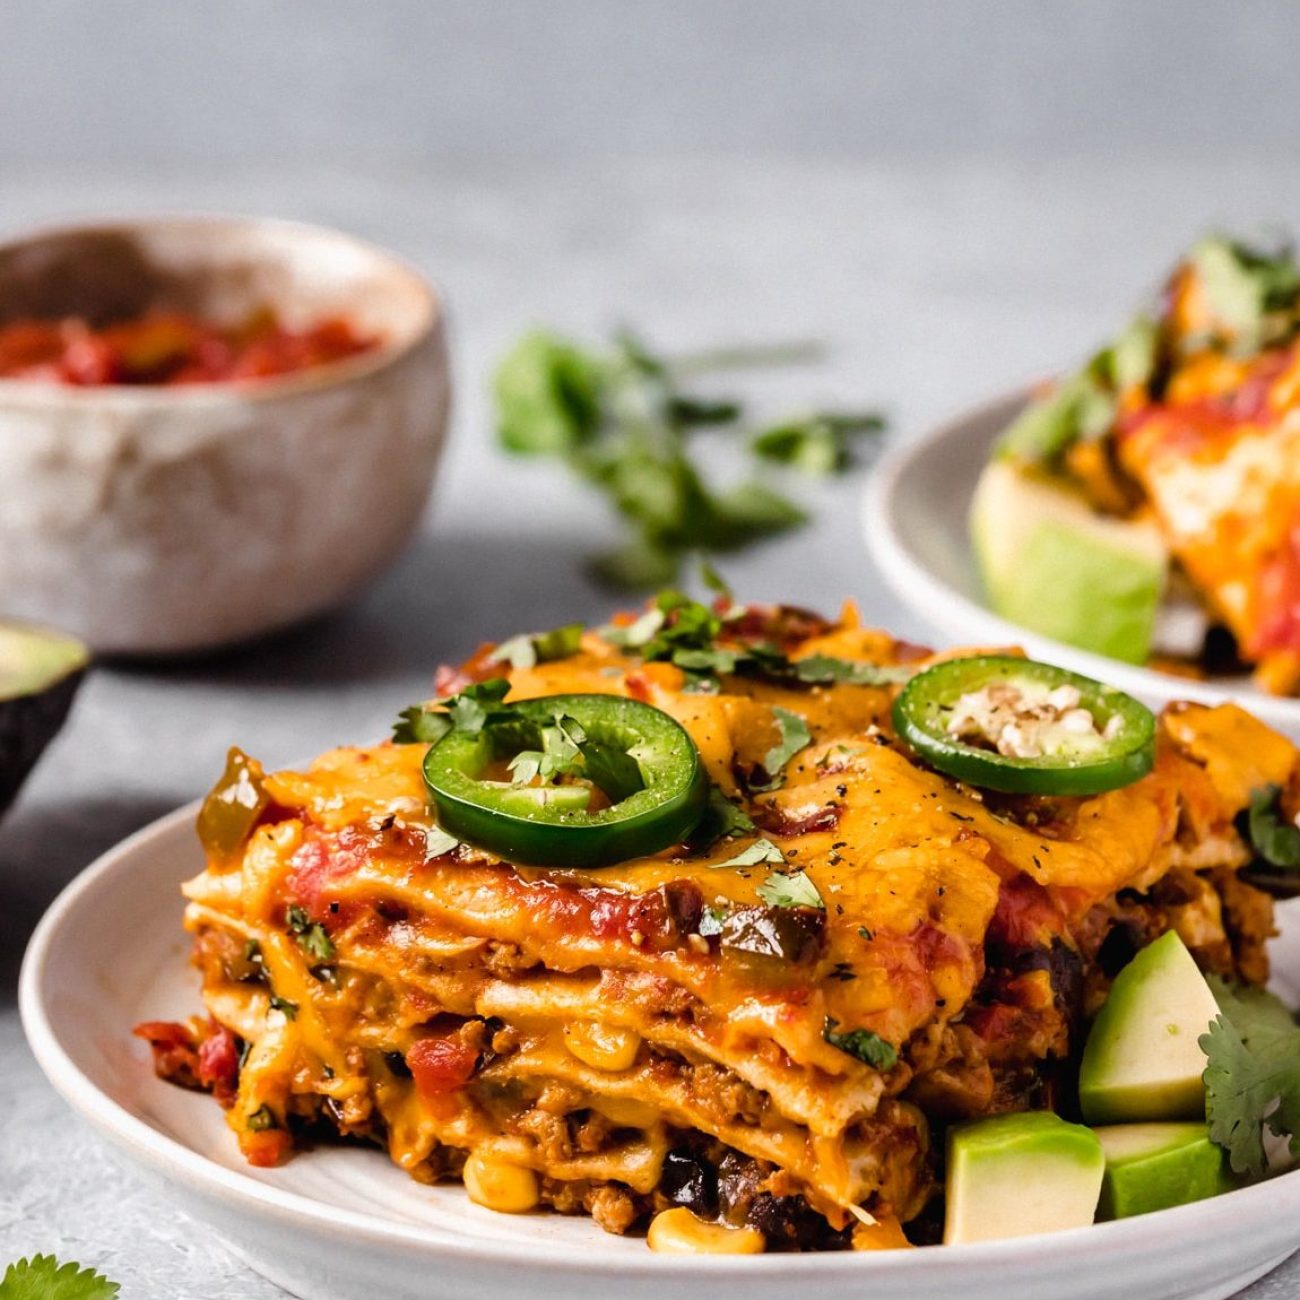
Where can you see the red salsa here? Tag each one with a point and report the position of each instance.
(168, 347)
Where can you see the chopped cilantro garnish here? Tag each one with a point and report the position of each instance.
(289, 1009)
(794, 736)
(568, 751)
(824, 669)
(794, 890)
(42, 1277)
(865, 1044)
(311, 935)
(437, 842)
(469, 711)
(756, 854)
(526, 651)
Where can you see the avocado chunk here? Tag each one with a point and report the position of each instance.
(1016, 1175)
(1155, 1166)
(40, 671)
(1142, 1060)
(1051, 564)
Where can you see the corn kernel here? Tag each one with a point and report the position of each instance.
(679, 1232)
(603, 1047)
(500, 1186)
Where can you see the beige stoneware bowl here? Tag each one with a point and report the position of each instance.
(163, 521)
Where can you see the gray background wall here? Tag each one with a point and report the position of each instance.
(159, 83)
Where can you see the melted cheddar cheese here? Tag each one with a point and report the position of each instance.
(578, 1024)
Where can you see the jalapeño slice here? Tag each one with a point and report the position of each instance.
(1023, 727)
(554, 825)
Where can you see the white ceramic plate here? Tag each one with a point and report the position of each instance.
(914, 519)
(342, 1223)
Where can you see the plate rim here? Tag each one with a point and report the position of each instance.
(165, 1156)
(921, 590)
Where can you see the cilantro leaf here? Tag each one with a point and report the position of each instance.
(311, 935)
(437, 843)
(1260, 1017)
(469, 711)
(759, 852)
(559, 756)
(567, 751)
(820, 443)
(793, 890)
(1079, 409)
(1249, 291)
(526, 651)
(548, 394)
(794, 736)
(824, 670)
(613, 771)
(420, 726)
(473, 708)
(715, 582)
(1252, 1078)
(283, 1005)
(42, 1277)
(718, 660)
(691, 411)
(1275, 840)
(865, 1044)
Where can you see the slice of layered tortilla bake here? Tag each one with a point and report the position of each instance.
(771, 1018)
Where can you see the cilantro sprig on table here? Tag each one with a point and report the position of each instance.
(42, 1277)
(620, 418)
(1252, 1079)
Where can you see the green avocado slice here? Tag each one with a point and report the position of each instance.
(1017, 1175)
(1142, 1060)
(40, 671)
(1156, 1166)
(1053, 565)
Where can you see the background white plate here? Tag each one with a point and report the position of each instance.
(915, 523)
(340, 1223)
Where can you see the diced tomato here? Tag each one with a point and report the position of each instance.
(448, 681)
(163, 347)
(318, 865)
(219, 1063)
(1027, 917)
(441, 1065)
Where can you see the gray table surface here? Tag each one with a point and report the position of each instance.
(936, 283)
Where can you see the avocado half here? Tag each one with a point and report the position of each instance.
(40, 671)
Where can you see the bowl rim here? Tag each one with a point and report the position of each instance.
(333, 374)
(173, 1160)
